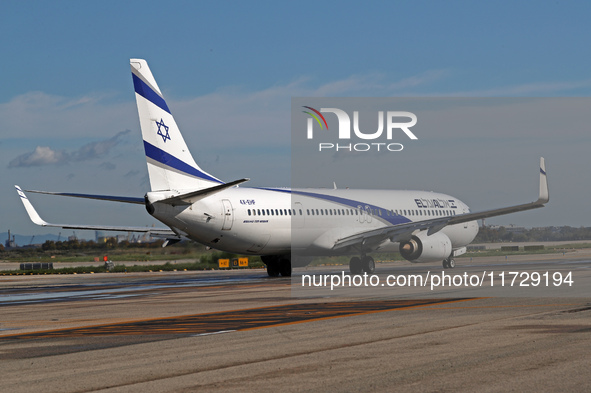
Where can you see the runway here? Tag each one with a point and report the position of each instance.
(242, 331)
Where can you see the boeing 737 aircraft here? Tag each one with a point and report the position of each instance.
(286, 227)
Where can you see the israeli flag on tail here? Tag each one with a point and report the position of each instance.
(170, 164)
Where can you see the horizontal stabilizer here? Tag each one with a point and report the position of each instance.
(193, 196)
(34, 216)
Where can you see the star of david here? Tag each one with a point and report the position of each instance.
(161, 127)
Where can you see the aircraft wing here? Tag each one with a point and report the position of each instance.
(183, 199)
(139, 201)
(372, 238)
(34, 216)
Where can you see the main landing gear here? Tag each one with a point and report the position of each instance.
(364, 264)
(449, 263)
(277, 266)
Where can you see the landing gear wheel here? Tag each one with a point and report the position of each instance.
(355, 266)
(368, 264)
(285, 267)
(273, 269)
(449, 263)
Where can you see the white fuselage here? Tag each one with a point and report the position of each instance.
(308, 222)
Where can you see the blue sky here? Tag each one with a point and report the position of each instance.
(229, 70)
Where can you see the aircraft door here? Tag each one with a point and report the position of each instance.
(298, 219)
(364, 213)
(228, 215)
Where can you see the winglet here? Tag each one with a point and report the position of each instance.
(544, 195)
(33, 215)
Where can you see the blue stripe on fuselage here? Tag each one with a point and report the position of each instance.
(394, 220)
(165, 158)
(146, 91)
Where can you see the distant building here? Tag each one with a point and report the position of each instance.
(509, 228)
(515, 229)
(10, 243)
(99, 237)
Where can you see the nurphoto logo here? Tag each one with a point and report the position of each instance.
(397, 123)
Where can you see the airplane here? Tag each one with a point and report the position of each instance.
(286, 227)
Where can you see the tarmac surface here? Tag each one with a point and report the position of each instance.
(242, 331)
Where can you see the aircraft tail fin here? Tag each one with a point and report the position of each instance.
(170, 164)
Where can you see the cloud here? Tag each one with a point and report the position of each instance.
(528, 89)
(259, 115)
(41, 115)
(109, 166)
(98, 149)
(43, 155)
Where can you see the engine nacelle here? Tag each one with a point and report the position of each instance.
(423, 248)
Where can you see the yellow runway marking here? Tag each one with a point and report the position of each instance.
(247, 319)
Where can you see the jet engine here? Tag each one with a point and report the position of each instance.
(423, 248)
